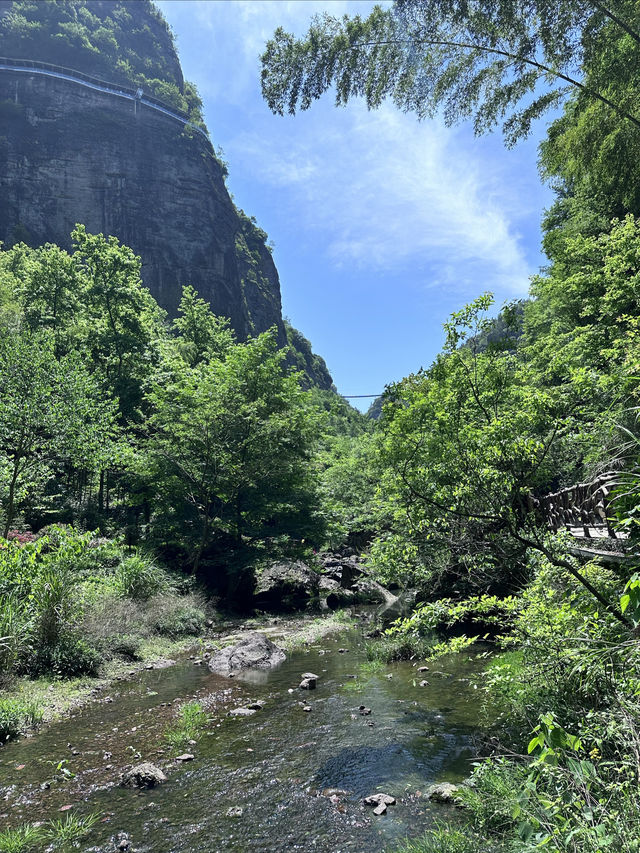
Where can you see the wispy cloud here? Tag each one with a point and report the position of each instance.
(237, 31)
(387, 192)
(378, 189)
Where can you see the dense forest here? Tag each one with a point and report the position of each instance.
(142, 459)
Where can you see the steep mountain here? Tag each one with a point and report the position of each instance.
(98, 126)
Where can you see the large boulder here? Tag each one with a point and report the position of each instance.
(255, 651)
(145, 775)
(286, 585)
(349, 573)
(341, 598)
(370, 592)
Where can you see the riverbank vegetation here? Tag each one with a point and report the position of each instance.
(517, 406)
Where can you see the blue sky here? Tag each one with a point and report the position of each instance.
(382, 225)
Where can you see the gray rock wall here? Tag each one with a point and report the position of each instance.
(69, 154)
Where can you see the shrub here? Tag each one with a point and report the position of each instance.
(108, 617)
(139, 578)
(399, 647)
(183, 621)
(70, 657)
(127, 646)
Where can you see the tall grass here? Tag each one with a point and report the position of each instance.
(23, 839)
(17, 715)
(189, 725)
(399, 647)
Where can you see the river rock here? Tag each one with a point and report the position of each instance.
(286, 585)
(123, 842)
(370, 592)
(255, 651)
(326, 584)
(145, 775)
(380, 808)
(341, 598)
(444, 792)
(379, 799)
(186, 756)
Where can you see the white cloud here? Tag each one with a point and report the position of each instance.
(387, 192)
(377, 189)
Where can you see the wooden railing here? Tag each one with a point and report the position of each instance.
(583, 509)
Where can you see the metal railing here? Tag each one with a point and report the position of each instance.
(71, 75)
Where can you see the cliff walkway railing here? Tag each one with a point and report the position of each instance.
(582, 509)
(136, 95)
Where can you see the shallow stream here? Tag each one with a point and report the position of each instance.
(283, 779)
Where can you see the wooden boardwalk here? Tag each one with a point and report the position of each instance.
(583, 511)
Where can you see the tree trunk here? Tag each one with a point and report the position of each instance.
(11, 500)
(203, 542)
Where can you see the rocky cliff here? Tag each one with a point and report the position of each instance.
(70, 153)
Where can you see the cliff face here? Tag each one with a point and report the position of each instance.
(70, 153)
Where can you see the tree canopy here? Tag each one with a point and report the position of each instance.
(503, 62)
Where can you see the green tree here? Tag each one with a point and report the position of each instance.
(508, 61)
(231, 439)
(201, 335)
(51, 414)
(467, 445)
(122, 323)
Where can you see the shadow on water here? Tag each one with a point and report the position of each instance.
(298, 776)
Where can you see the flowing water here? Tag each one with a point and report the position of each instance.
(283, 779)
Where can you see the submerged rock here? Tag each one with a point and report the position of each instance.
(145, 775)
(255, 651)
(309, 681)
(235, 811)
